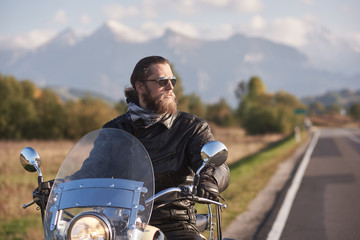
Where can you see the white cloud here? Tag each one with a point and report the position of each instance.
(152, 29)
(150, 8)
(257, 22)
(243, 6)
(61, 17)
(332, 51)
(290, 31)
(184, 28)
(183, 7)
(125, 33)
(29, 40)
(223, 31)
(186, 3)
(249, 6)
(85, 19)
(355, 41)
(253, 57)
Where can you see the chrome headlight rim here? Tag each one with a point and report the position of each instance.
(93, 214)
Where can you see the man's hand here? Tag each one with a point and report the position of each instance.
(208, 190)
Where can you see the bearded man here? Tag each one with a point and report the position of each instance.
(173, 140)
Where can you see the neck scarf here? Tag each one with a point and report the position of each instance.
(148, 116)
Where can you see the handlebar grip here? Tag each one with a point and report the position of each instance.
(28, 204)
(207, 201)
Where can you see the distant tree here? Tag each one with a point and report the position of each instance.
(333, 109)
(195, 105)
(183, 101)
(256, 87)
(285, 98)
(261, 112)
(220, 113)
(17, 111)
(354, 111)
(241, 90)
(121, 107)
(260, 120)
(317, 108)
(86, 115)
(29, 90)
(50, 116)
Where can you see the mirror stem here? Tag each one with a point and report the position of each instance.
(200, 168)
(40, 179)
(197, 177)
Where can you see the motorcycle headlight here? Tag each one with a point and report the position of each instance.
(89, 225)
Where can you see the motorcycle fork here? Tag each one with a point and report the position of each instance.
(211, 223)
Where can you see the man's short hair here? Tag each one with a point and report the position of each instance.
(142, 71)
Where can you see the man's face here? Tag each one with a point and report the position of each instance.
(154, 97)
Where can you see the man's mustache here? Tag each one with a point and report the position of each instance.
(171, 94)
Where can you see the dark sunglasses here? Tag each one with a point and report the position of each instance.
(164, 81)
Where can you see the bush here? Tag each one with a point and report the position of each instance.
(262, 113)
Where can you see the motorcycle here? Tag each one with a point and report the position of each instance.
(105, 189)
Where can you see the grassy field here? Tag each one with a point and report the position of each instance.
(248, 176)
(16, 186)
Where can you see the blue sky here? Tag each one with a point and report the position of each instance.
(321, 29)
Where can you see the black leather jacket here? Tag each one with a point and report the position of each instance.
(174, 147)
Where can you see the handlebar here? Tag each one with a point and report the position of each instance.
(162, 193)
(28, 204)
(206, 201)
(187, 194)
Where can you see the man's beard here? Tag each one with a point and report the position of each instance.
(160, 104)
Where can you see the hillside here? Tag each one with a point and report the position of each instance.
(343, 97)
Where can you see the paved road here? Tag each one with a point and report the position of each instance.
(322, 201)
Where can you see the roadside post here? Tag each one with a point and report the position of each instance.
(297, 130)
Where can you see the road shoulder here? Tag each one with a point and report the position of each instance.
(245, 225)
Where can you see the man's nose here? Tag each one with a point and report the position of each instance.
(169, 86)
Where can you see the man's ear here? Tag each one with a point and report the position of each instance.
(139, 86)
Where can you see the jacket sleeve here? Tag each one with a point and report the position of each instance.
(220, 174)
(222, 177)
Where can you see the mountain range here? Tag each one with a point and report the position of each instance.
(343, 97)
(103, 61)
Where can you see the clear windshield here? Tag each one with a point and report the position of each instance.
(106, 177)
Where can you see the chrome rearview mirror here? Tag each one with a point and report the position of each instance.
(30, 160)
(214, 152)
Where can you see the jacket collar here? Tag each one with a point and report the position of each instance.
(167, 120)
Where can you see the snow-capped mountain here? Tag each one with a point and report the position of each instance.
(103, 61)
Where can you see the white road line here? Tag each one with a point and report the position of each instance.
(283, 214)
(353, 137)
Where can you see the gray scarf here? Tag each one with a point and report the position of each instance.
(148, 116)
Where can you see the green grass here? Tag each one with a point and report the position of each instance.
(27, 227)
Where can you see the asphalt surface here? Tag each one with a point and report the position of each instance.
(326, 203)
